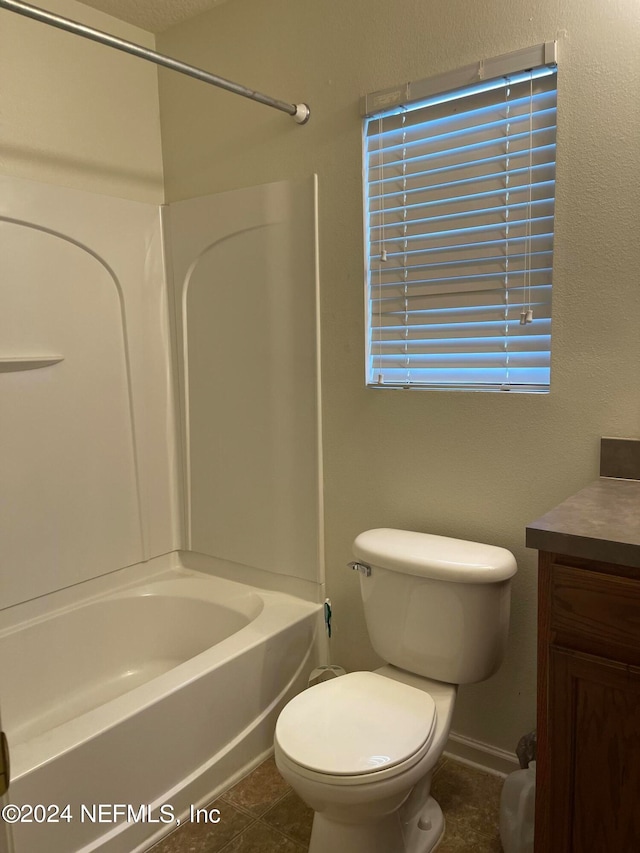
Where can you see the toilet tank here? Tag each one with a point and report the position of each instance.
(436, 606)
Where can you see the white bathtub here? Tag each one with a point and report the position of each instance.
(156, 694)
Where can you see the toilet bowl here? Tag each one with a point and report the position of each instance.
(361, 749)
(323, 748)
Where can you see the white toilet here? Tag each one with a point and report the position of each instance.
(360, 749)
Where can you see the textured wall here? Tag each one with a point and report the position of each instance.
(469, 465)
(77, 113)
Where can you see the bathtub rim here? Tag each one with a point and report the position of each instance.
(187, 561)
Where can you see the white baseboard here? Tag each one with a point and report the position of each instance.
(480, 755)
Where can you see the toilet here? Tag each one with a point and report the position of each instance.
(360, 749)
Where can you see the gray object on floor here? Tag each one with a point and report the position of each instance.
(527, 748)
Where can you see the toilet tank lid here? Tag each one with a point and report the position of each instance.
(430, 556)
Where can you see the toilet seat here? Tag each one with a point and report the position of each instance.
(356, 729)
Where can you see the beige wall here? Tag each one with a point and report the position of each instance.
(469, 465)
(77, 113)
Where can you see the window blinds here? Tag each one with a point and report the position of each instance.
(459, 206)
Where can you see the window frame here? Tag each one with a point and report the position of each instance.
(445, 88)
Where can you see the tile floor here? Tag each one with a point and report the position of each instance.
(261, 814)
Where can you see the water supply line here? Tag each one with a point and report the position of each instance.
(327, 670)
(300, 112)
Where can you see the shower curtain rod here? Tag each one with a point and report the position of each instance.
(300, 112)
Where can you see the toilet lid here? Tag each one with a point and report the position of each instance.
(358, 723)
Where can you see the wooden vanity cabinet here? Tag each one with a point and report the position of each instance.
(588, 768)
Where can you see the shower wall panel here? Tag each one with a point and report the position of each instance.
(244, 272)
(87, 482)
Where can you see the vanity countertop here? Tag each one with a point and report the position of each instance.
(600, 522)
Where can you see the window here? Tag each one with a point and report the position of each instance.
(459, 207)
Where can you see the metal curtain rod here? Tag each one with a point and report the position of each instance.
(300, 112)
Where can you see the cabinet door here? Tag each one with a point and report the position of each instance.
(594, 748)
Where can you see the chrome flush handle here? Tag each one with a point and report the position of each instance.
(363, 568)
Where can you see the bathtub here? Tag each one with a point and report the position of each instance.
(153, 696)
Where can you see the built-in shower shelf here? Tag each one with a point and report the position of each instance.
(9, 364)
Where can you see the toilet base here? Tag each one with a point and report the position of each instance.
(424, 833)
(391, 834)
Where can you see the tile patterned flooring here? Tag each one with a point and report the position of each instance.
(261, 814)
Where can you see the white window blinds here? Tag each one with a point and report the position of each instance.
(459, 205)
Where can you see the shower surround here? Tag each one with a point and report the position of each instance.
(160, 425)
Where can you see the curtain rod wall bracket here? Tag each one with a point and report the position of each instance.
(300, 112)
